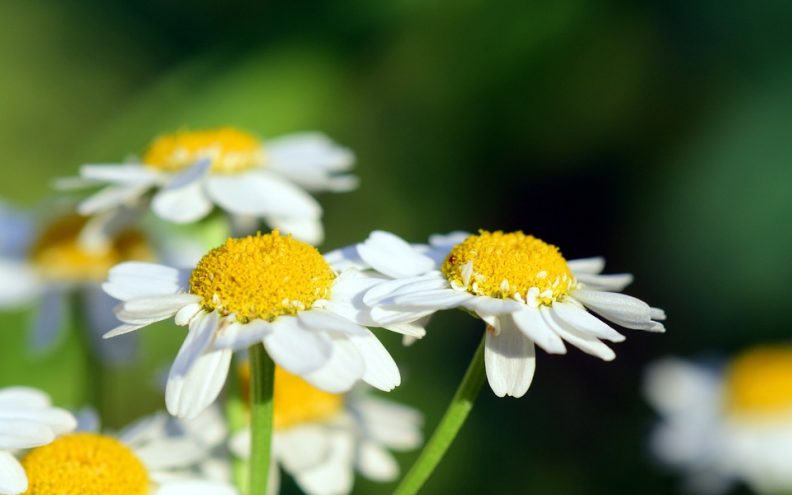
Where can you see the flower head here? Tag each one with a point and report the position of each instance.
(523, 289)
(191, 171)
(269, 289)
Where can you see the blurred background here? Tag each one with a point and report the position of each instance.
(656, 134)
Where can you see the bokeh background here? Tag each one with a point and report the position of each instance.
(655, 133)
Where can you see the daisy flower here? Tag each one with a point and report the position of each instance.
(151, 457)
(525, 292)
(722, 424)
(190, 172)
(269, 289)
(27, 420)
(62, 261)
(321, 439)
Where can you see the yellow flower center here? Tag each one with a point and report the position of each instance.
(58, 253)
(509, 265)
(296, 401)
(230, 150)
(760, 381)
(262, 276)
(85, 464)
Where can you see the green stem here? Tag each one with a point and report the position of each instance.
(449, 426)
(94, 368)
(262, 381)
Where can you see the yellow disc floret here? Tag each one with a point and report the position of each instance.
(59, 254)
(509, 265)
(85, 464)
(296, 401)
(262, 276)
(229, 150)
(759, 381)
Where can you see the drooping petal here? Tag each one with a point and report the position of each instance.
(186, 396)
(344, 368)
(381, 371)
(530, 322)
(510, 360)
(584, 321)
(585, 342)
(622, 309)
(296, 349)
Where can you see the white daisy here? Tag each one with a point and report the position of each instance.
(725, 424)
(268, 288)
(525, 292)
(154, 456)
(65, 260)
(190, 172)
(321, 439)
(27, 420)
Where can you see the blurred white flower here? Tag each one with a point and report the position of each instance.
(268, 289)
(321, 439)
(725, 424)
(27, 420)
(59, 267)
(190, 172)
(520, 286)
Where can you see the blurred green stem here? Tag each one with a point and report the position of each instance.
(262, 381)
(449, 426)
(94, 367)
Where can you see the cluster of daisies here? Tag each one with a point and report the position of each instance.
(114, 260)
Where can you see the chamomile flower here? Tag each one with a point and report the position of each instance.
(189, 172)
(265, 288)
(27, 420)
(525, 292)
(65, 260)
(722, 424)
(321, 439)
(151, 457)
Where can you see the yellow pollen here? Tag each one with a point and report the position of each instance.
(759, 381)
(58, 254)
(296, 401)
(509, 266)
(85, 464)
(262, 276)
(230, 150)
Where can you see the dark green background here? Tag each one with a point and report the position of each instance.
(654, 133)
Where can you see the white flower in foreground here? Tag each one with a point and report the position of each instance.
(27, 420)
(60, 267)
(525, 292)
(268, 289)
(154, 456)
(725, 424)
(189, 172)
(321, 439)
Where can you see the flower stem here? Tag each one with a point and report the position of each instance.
(449, 426)
(262, 381)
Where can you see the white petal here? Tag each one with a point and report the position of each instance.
(12, 477)
(296, 349)
(585, 342)
(622, 309)
(616, 282)
(186, 396)
(376, 463)
(23, 397)
(237, 336)
(306, 229)
(138, 280)
(448, 241)
(120, 173)
(435, 299)
(24, 434)
(194, 487)
(394, 425)
(490, 306)
(304, 446)
(387, 290)
(530, 322)
(393, 256)
(344, 368)
(123, 330)
(322, 320)
(381, 370)
(346, 258)
(584, 321)
(139, 311)
(510, 360)
(185, 315)
(59, 421)
(185, 204)
(199, 339)
(19, 284)
(261, 194)
(335, 476)
(591, 266)
(294, 154)
(346, 296)
(112, 197)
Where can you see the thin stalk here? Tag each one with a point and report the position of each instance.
(453, 419)
(262, 381)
